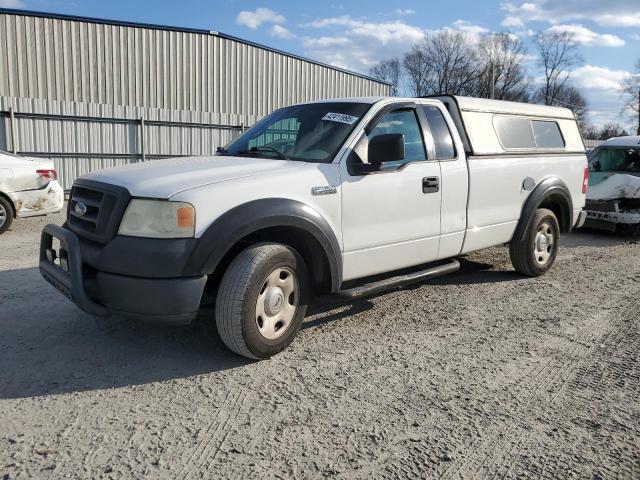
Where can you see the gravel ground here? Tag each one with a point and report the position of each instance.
(481, 374)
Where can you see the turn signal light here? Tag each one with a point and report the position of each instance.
(186, 217)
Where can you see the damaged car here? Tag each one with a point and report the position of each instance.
(613, 197)
(28, 187)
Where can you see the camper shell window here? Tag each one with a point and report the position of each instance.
(522, 133)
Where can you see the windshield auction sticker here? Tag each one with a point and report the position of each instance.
(340, 117)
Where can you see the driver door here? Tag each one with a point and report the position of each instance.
(391, 218)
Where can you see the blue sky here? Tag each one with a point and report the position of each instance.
(355, 34)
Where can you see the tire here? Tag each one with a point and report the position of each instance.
(262, 300)
(6, 215)
(535, 254)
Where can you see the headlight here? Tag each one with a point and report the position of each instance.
(158, 219)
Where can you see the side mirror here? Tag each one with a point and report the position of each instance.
(388, 147)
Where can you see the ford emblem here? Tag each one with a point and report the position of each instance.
(80, 209)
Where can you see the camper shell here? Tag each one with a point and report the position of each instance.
(484, 126)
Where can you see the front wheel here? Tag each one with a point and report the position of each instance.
(262, 300)
(536, 252)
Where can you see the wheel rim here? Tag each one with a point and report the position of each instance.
(277, 303)
(3, 216)
(544, 244)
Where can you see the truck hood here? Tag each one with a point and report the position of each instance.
(165, 178)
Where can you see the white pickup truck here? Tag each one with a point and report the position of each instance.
(348, 196)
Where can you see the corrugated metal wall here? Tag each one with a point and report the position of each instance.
(52, 64)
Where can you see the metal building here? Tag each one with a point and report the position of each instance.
(93, 93)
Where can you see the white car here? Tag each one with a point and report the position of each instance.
(28, 187)
(347, 196)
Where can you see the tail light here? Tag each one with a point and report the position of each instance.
(585, 180)
(48, 174)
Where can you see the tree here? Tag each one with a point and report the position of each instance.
(416, 68)
(503, 75)
(388, 71)
(557, 55)
(443, 63)
(631, 90)
(610, 130)
(572, 98)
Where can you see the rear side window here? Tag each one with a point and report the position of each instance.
(514, 132)
(547, 134)
(440, 132)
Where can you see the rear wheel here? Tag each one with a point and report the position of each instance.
(262, 300)
(536, 252)
(6, 214)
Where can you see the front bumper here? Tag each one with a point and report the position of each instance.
(173, 300)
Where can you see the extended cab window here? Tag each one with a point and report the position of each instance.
(440, 131)
(406, 123)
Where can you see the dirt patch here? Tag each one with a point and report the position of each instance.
(480, 374)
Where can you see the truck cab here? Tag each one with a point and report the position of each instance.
(346, 196)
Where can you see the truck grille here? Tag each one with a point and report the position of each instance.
(95, 209)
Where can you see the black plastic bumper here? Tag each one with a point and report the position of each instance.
(163, 300)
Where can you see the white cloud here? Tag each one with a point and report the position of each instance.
(592, 77)
(403, 12)
(585, 36)
(369, 42)
(635, 36)
(256, 18)
(344, 20)
(619, 13)
(358, 44)
(12, 4)
(474, 32)
(281, 32)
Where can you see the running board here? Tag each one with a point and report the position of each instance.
(400, 280)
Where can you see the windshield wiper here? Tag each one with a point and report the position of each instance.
(264, 149)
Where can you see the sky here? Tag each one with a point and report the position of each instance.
(356, 34)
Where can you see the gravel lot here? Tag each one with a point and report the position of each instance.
(481, 374)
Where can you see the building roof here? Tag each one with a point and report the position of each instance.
(151, 26)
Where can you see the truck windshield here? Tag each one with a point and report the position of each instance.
(615, 159)
(310, 133)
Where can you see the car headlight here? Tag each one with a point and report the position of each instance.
(158, 219)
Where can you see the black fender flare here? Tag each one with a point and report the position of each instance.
(548, 187)
(256, 215)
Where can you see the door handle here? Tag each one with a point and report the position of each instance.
(430, 184)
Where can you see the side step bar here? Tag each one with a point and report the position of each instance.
(387, 283)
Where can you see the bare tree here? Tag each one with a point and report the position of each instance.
(443, 63)
(557, 55)
(503, 73)
(416, 68)
(388, 71)
(610, 130)
(631, 90)
(572, 98)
